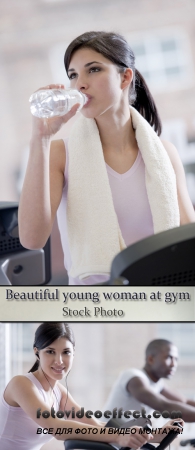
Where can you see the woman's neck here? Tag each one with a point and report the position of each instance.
(116, 131)
(45, 381)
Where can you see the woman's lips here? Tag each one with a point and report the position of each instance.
(89, 97)
(58, 370)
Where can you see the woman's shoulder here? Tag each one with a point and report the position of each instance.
(58, 154)
(17, 385)
(58, 145)
(173, 154)
(19, 381)
(170, 148)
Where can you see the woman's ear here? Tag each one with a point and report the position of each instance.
(126, 77)
(36, 352)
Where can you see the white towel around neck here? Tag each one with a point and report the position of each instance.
(93, 230)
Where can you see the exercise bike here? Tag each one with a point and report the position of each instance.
(74, 444)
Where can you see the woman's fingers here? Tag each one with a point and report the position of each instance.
(51, 125)
(173, 424)
(135, 440)
(70, 113)
(51, 86)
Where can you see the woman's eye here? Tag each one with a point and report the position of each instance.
(91, 70)
(50, 352)
(94, 69)
(72, 76)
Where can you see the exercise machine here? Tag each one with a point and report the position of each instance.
(164, 259)
(76, 444)
(19, 266)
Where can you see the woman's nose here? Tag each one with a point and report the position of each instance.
(59, 359)
(81, 83)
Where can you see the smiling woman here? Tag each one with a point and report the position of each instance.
(36, 407)
(28, 399)
(113, 182)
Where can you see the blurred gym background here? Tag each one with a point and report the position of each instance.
(34, 36)
(103, 350)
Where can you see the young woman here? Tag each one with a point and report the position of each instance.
(28, 398)
(113, 182)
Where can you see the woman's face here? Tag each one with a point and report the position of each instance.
(98, 78)
(56, 359)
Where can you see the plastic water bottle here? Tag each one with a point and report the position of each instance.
(55, 102)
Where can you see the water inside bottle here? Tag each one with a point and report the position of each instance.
(55, 102)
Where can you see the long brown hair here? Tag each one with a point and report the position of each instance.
(47, 333)
(114, 47)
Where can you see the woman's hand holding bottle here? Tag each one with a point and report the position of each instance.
(48, 126)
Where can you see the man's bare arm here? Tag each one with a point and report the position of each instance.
(173, 395)
(142, 392)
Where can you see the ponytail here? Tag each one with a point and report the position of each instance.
(34, 367)
(144, 103)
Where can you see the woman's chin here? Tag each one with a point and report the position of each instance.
(87, 114)
(95, 113)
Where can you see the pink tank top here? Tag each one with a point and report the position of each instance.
(131, 205)
(17, 430)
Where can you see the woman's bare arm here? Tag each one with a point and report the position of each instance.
(22, 392)
(67, 403)
(43, 182)
(41, 192)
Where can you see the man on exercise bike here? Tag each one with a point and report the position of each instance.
(143, 391)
